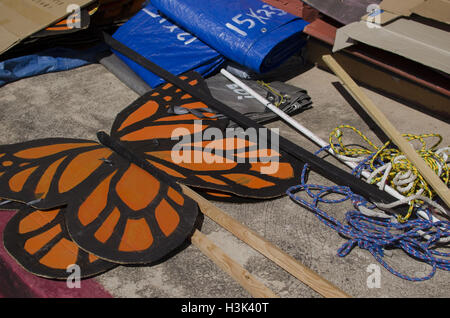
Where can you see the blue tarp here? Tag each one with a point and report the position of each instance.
(165, 44)
(48, 61)
(249, 32)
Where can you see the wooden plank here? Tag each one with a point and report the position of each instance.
(384, 123)
(227, 264)
(285, 261)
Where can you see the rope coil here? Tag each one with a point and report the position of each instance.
(389, 166)
(377, 231)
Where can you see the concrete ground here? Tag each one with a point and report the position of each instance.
(80, 102)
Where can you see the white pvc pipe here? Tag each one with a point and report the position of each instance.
(305, 131)
(308, 133)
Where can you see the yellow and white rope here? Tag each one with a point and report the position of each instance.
(389, 166)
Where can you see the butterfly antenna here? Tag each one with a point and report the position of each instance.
(107, 161)
(5, 202)
(34, 202)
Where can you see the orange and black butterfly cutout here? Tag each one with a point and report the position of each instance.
(41, 244)
(124, 206)
(71, 24)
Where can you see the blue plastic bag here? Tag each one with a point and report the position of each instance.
(162, 42)
(249, 32)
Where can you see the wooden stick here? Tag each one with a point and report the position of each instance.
(241, 275)
(288, 263)
(429, 175)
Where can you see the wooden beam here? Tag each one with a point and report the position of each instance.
(383, 122)
(285, 261)
(227, 264)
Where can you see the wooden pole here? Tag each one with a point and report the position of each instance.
(241, 275)
(288, 263)
(429, 175)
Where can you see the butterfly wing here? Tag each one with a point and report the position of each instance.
(45, 172)
(226, 162)
(115, 210)
(39, 241)
(234, 164)
(67, 25)
(131, 217)
(154, 115)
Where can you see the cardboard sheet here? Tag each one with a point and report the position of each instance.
(415, 41)
(438, 10)
(21, 18)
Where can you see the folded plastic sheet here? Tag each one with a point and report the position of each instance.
(249, 32)
(48, 61)
(121, 70)
(288, 98)
(156, 38)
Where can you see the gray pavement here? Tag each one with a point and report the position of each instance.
(80, 102)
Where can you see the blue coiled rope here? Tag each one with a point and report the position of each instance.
(377, 234)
